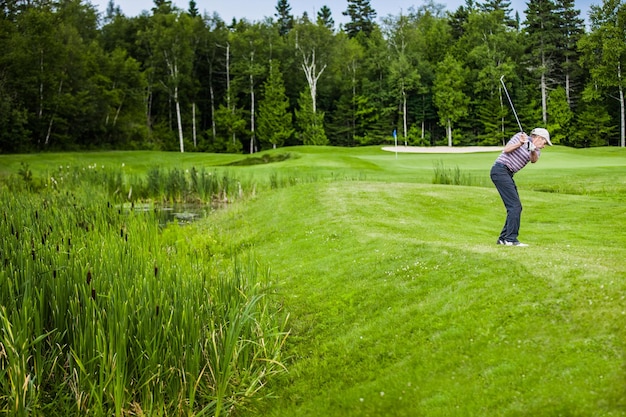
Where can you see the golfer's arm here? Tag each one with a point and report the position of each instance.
(512, 146)
(534, 156)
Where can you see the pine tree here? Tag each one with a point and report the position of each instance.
(542, 26)
(284, 16)
(502, 6)
(275, 122)
(362, 17)
(593, 127)
(560, 116)
(193, 9)
(571, 28)
(310, 122)
(324, 18)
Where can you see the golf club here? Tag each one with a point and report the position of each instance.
(511, 103)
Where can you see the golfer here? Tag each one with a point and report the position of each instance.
(516, 154)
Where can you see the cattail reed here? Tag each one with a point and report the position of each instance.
(120, 319)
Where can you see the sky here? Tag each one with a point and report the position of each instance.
(256, 10)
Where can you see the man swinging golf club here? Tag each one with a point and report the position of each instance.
(519, 150)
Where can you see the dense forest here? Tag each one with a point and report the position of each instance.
(171, 79)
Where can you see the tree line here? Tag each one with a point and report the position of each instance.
(173, 79)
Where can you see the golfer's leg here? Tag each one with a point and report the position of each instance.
(513, 206)
(508, 192)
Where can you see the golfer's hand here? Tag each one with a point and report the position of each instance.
(523, 138)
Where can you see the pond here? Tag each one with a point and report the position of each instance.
(183, 213)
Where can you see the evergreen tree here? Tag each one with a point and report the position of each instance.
(571, 28)
(163, 6)
(501, 6)
(324, 18)
(593, 126)
(560, 116)
(275, 122)
(542, 29)
(362, 17)
(284, 16)
(112, 11)
(193, 9)
(457, 21)
(310, 122)
(230, 124)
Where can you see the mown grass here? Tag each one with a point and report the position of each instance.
(400, 302)
(403, 305)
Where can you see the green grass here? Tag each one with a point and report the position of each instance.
(400, 289)
(105, 312)
(400, 302)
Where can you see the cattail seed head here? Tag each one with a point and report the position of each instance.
(156, 270)
(93, 293)
(157, 310)
(88, 277)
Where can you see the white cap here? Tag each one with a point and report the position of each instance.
(540, 131)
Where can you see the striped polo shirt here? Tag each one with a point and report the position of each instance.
(517, 159)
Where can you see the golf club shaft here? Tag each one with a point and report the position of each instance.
(511, 103)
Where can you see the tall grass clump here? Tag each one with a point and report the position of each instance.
(449, 176)
(104, 312)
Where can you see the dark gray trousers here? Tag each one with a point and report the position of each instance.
(502, 178)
